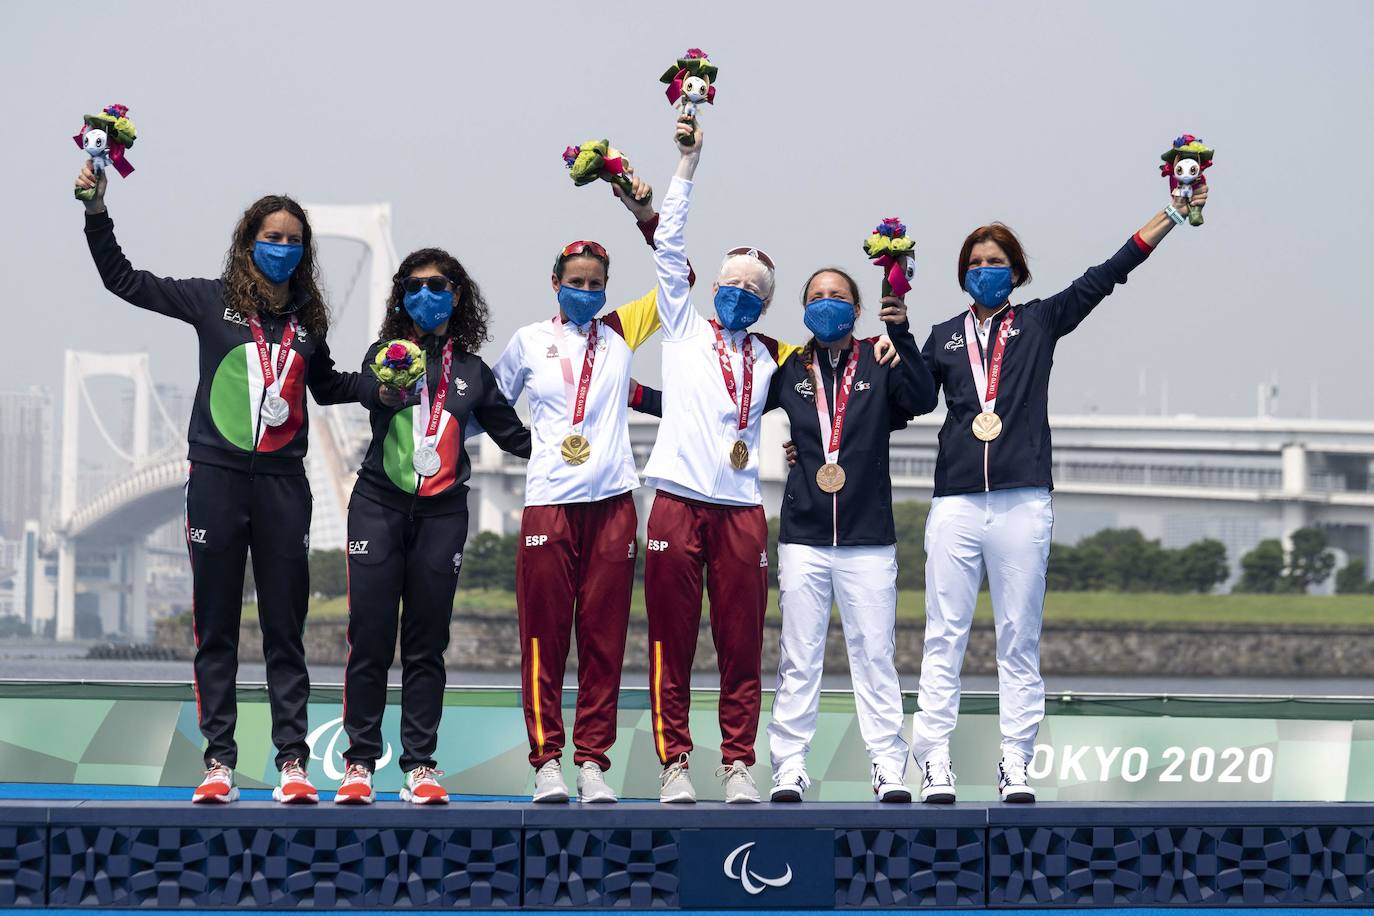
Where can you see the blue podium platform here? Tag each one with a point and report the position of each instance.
(504, 855)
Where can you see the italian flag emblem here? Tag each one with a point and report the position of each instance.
(236, 394)
(405, 435)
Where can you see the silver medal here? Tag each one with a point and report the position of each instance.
(426, 461)
(275, 410)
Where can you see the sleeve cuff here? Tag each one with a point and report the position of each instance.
(1144, 246)
(98, 220)
(637, 398)
(647, 228)
(682, 185)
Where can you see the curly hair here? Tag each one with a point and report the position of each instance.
(809, 351)
(246, 290)
(468, 326)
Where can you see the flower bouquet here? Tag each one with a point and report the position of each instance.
(598, 159)
(890, 249)
(399, 364)
(104, 137)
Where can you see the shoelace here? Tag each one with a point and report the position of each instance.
(218, 771)
(293, 770)
(882, 777)
(425, 774)
(793, 776)
(672, 770)
(939, 774)
(725, 772)
(1014, 771)
(591, 771)
(356, 771)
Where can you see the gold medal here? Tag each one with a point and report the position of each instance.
(576, 449)
(987, 426)
(830, 478)
(739, 455)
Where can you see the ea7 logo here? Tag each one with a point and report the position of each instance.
(657, 546)
(955, 342)
(234, 317)
(197, 535)
(357, 548)
(536, 540)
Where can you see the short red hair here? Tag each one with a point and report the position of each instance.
(1004, 239)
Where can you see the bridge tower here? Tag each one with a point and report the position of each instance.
(78, 369)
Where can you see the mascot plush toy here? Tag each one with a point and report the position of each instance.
(1184, 164)
(690, 82)
(104, 137)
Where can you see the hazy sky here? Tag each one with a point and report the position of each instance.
(1048, 116)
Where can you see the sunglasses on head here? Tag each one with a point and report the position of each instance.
(573, 249)
(435, 284)
(758, 255)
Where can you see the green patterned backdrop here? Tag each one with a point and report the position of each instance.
(1088, 748)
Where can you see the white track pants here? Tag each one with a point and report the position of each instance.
(863, 582)
(1006, 532)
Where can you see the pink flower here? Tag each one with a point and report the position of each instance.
(694, 54)
(570, 155)
(397, 352)
(892, 227)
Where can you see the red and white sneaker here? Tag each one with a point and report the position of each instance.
(422, 787)
(357, 787)
(295, 787)
(218, 786)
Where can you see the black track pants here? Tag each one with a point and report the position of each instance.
(227, 513)
(396, 560)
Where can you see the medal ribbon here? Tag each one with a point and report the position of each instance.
(436, 412)
(577, 402)
(741, 401)
(831, 447)
(986, 378)
(272, 380)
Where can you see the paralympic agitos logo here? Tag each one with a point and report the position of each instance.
(753, 882)
(332, 755)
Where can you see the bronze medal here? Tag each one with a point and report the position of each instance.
(830, 478)
(576, 449)
(739, 455)
(987, 426)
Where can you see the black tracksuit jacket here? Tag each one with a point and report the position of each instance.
(1020, 456)
(883, 399)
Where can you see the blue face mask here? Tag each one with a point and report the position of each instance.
(829, 319)
(989, 286)
(737, 308)
(277, 262)
(580, 305)
(429, 309)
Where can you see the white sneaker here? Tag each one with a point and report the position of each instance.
(739, 785)
(789, 784)
(888, 787)
(591, 785)
(548, 783)
(356, 788)
(422, 787)
(1012, 783)
(937, 783)
(217, 787)
(295, 787)
(677, 784)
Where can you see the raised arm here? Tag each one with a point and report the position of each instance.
(675, 309)
(183, 299)
(911, 391)
(1063, 311)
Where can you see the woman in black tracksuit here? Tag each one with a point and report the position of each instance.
(408, 519)
(261, 330)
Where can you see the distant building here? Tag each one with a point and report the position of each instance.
(26, 459)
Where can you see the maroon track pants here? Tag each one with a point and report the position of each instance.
(731, 544)
(575, 564)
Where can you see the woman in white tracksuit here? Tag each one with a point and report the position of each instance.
(837, 542)
(992, 511)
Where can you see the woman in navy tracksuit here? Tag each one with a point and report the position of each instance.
(991, 511)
